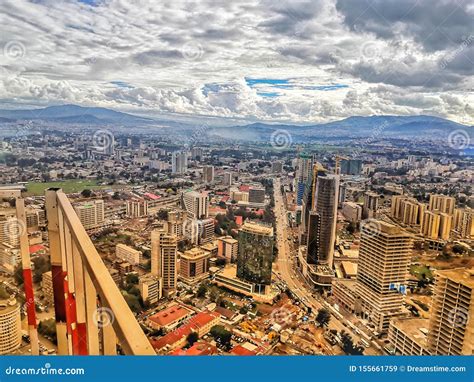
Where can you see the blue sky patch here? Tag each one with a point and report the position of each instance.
(268, 94)
(121, 84)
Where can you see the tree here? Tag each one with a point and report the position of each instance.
(202, 290)
(214, 294)
(86, 193)
(347, 345)
(221, 335)
(192, 338)
(323, 317)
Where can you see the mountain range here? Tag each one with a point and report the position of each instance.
(378, 126)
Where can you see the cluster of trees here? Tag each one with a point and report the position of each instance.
(47, 328)
(132, 294)
(41, 265)
(348, 346)
(323, 317)
(222, 336)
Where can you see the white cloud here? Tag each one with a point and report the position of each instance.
(164, 56)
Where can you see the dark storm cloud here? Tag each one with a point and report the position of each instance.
(436, 24)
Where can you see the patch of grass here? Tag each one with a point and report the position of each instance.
(68, 186)
(420, 270)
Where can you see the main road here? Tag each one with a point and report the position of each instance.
(286, 269)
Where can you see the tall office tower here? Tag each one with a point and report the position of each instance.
(303, 172)
(91, 213)
(326, 198)
(175, 222)
(137, 208)
(208, 174)
(342, 194)
(179, 162)
(150, 288)
(382, 271)
(407, 210)
(197, 153)
(351, 166)
(451, 331)
(463, 223)
(194, 265)
(371, 205)
(47, 287)
(128, 254)
(10, 324)
(199, 231)
(256, 194)
(308, 202)
(436, 225)
(196, 204)
(164, 259)
(442, 203)
(9, 229)
(228, 248)
(313, 238)
(227, 179)
(254, 261)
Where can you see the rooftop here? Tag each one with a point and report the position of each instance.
(462, 276)
(170, 315)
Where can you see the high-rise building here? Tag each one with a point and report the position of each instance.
(129, 254)
(313, 240)
(254, 261)
(208, 174)
(442, 203)
(91, 213)
(197, 153)
(196, 204)
(407, 210)
(227, 247)
(304, 170)
(193, 265)
(137, 208)
(451, 331)
(351, 166)
(382, 270)
(227, 179)
(463, 223)
(9, 257)
(326, 199)
(256, 194)
(371, 205)
(164, 259)
(436, 225)
(175, 222)
(199, 231)
(150, 288)
(9, 228)
(47, 287)
(179, 162)
(10, 326)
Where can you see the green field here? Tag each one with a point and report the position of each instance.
(68, 186)
(420, 270)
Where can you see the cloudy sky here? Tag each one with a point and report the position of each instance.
(273, 60)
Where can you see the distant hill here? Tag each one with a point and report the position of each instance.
(375, 126)
(73, 114)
